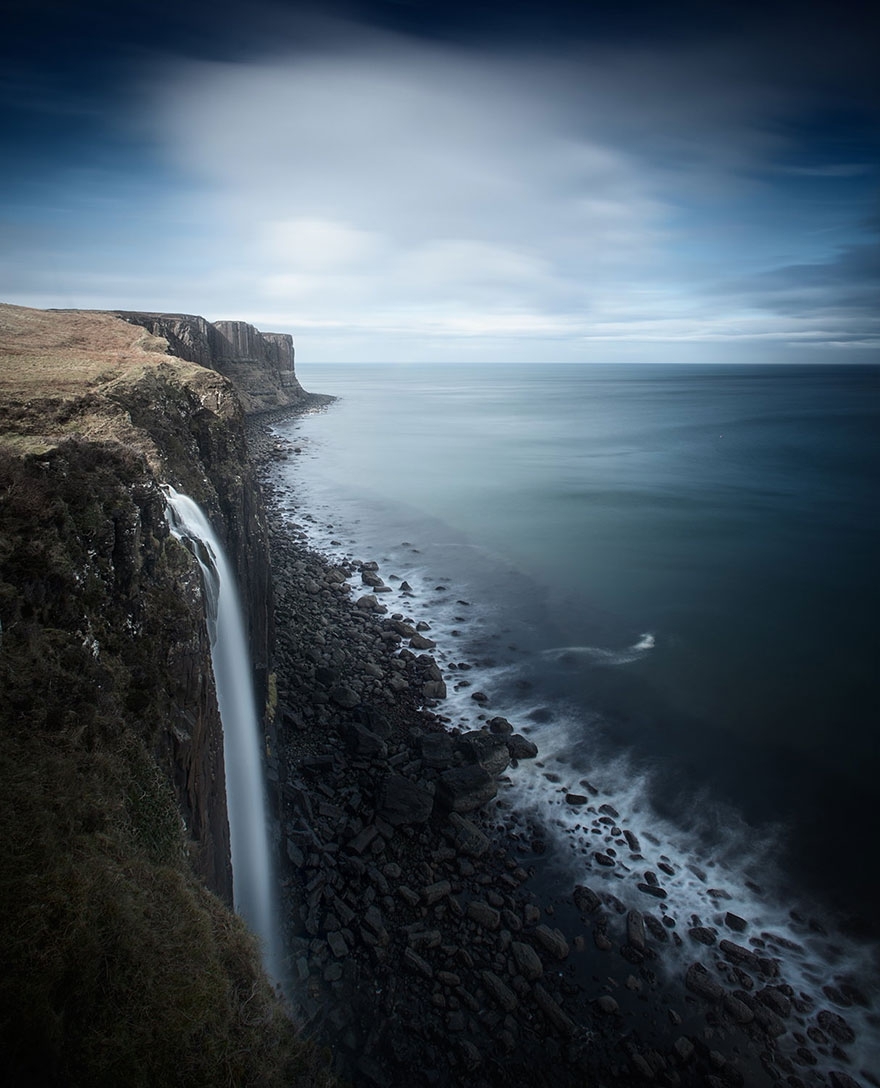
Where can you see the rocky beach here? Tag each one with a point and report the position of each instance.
(430, 938)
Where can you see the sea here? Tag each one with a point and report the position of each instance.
(666, 576)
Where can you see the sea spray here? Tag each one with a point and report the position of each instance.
(245, 796)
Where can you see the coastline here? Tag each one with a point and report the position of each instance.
(428, 946)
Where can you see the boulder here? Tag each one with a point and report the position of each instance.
(521, 747)
(552, 941)
(402, 801)
(487, 749)
(364, 742)
(468, 837)
(344, 696)
(434, 689)
(464, 789)
(527, 960)
(585, 899)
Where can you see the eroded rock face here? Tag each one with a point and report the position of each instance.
(260, 364)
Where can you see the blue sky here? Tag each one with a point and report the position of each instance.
(481, 181)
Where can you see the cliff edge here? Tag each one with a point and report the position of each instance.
(260, 364)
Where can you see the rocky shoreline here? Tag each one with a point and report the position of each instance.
(424, 945)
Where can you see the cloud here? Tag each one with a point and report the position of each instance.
(355, 186)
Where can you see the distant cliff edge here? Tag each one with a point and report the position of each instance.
(261, 364)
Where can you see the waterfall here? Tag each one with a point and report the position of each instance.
(253, 889)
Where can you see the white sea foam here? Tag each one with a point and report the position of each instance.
(600, 655)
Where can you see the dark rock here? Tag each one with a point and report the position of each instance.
(552, 1011)
(575, 799)
(521, 747)
(733, 921)
(364, 742)
(419, 642)
(505, 997)
(487, 749)
(501, 726)
(344, 696)
(652, 889)
(468, 837)
(835, 1026)
(586, 900)
(527, 960)
(553, 941)
(402, 801)
(464, 789)
(635, 929)
(434, 689)
(606, 1003)
(603, 859)
(699, 981)
(702, 934)
(436, 750)
(483, 914)
(433, 893)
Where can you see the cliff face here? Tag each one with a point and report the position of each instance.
(94, 418)
(261, 365)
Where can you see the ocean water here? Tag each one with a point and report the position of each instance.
(667, 574)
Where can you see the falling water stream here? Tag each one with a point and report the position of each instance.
(245, 795)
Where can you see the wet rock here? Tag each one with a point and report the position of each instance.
(632, 841)
(607, 1004)
(603, 859)
(464, 789)
(699, 981)
(402, 801)
(703, 934)
(734, 922)
(684, 1048)
(586, 900)
(652, 889)
(419, 642)
(552, 941)
(500, 725)
(575, 799)
(434, 689)
(635, 929)
(527, 960)
(738, 1010)
(776, 1000)
(835, 1025)
(521, 747)
(838, 1079)
(487, 749)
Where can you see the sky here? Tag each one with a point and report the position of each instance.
(409, 180)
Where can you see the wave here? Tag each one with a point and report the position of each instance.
(599, 655)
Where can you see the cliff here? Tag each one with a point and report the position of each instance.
(117, 959)
(260, 364)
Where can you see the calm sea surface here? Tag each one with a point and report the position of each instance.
(677, 565)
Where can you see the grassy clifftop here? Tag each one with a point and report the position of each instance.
(120, 966)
